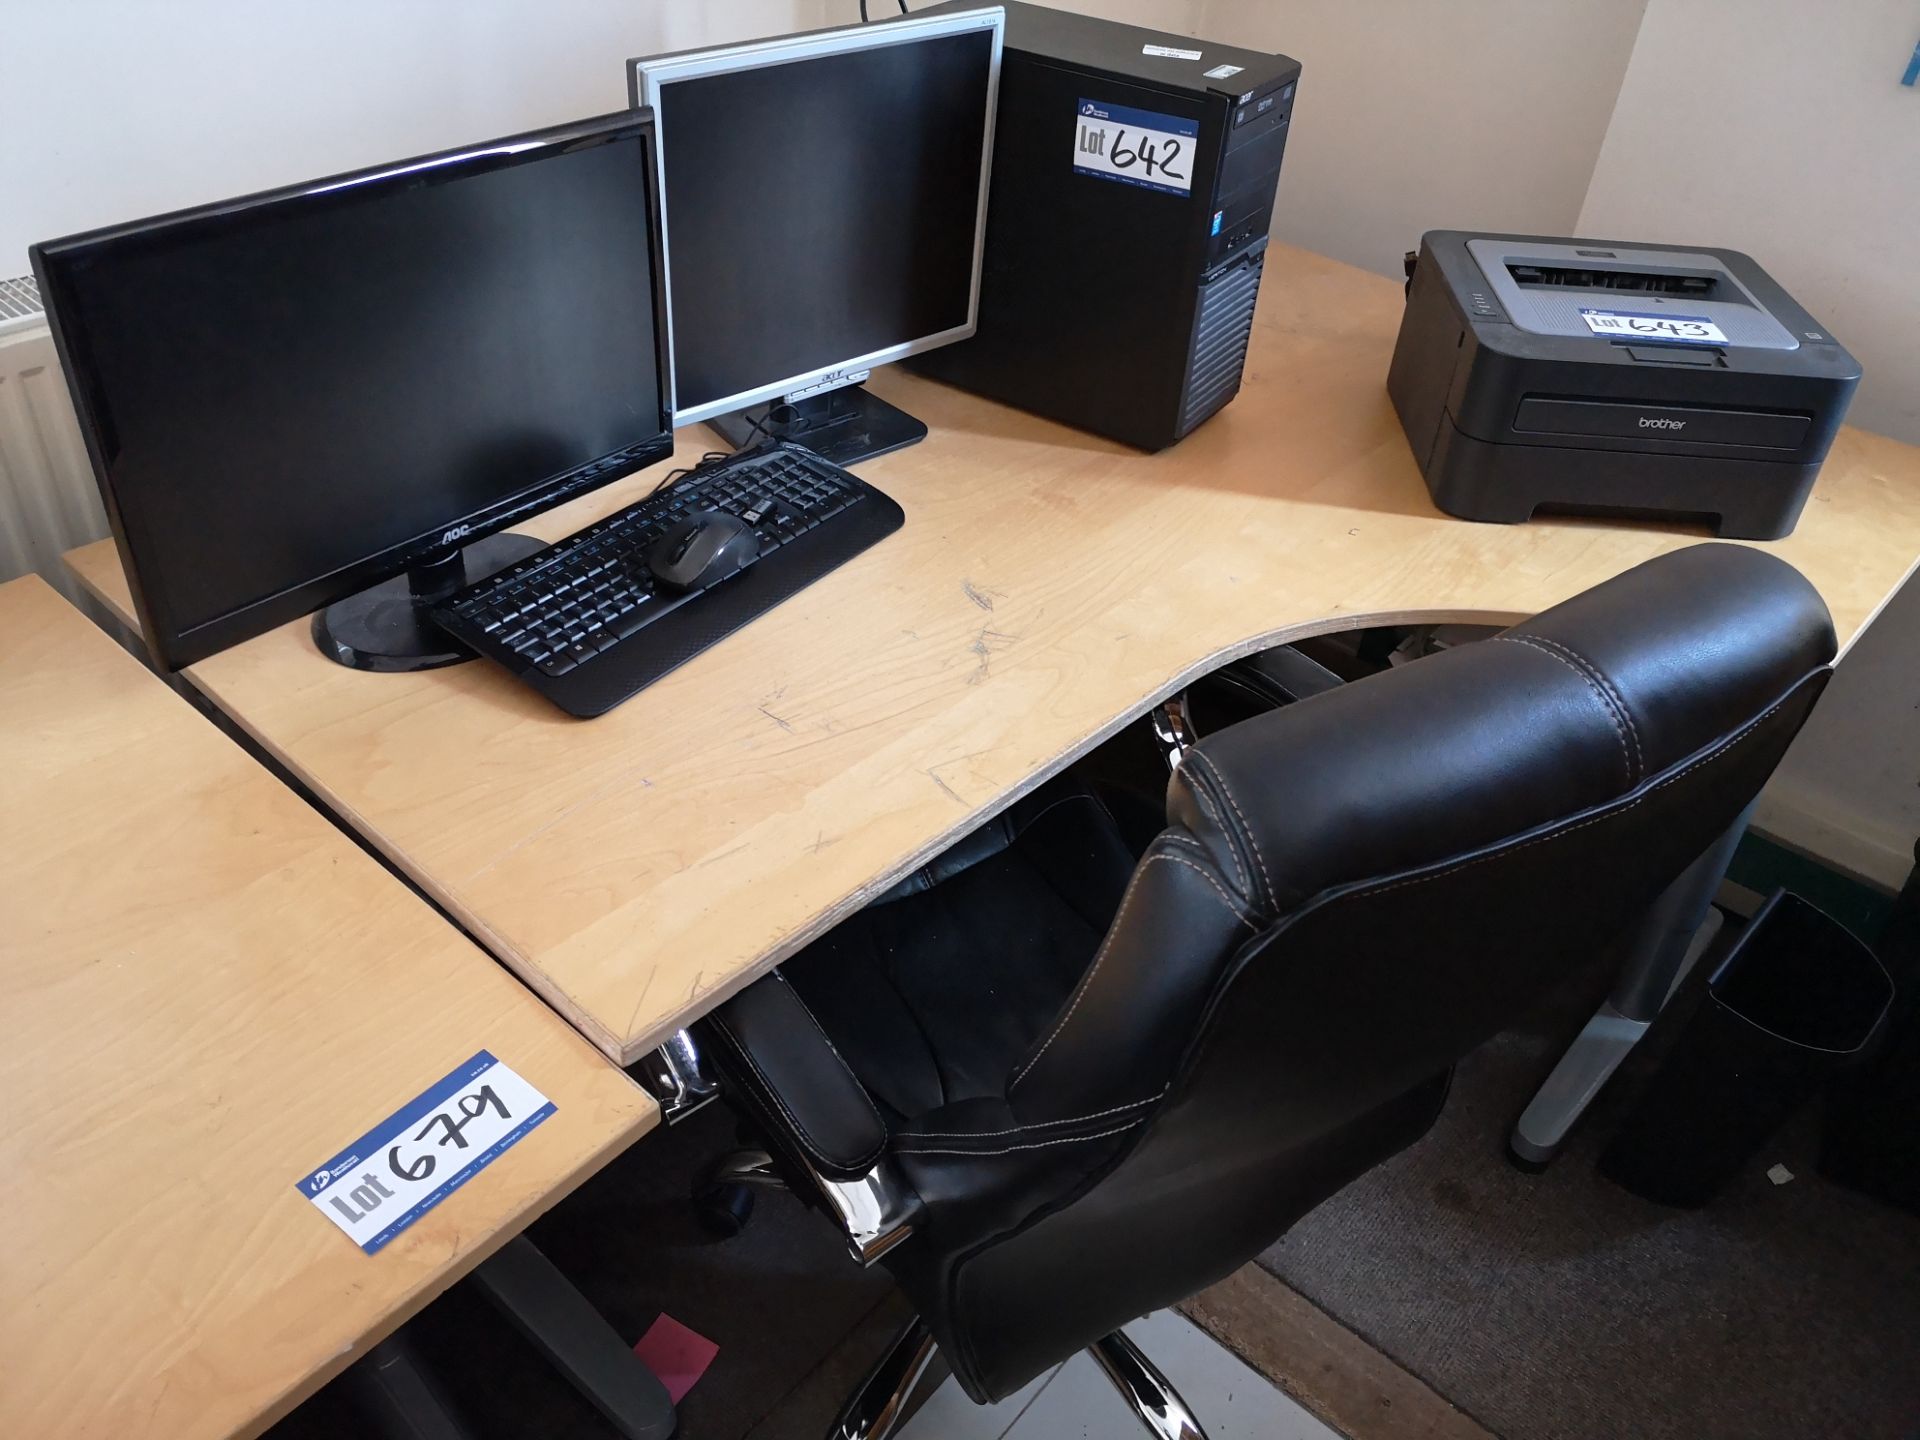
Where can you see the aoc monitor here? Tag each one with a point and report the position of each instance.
(292, 397)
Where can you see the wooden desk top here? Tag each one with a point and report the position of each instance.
(1047, 586)
(205, 991)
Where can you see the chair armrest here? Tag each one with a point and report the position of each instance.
(767, 1042)
(1291, 673)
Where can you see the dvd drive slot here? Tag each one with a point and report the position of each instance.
(1686, 424)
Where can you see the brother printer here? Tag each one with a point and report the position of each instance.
(1593, 377)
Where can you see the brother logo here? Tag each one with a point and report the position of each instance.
(1651, 422)
(459, 530)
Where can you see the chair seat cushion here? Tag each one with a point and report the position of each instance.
(933, 995)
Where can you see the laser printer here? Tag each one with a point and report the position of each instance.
(1535, 373)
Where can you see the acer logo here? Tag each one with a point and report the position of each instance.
(461, 531)
(1649, 422)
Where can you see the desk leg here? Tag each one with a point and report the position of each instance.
(398, 1397)
(557, 1318)
(1676, 931)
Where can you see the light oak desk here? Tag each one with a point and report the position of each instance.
(205, 991)
(1047, 586)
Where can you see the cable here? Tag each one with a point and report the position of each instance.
(712, 457)
(757, 431)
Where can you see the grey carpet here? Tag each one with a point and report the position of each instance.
(1559, 1307)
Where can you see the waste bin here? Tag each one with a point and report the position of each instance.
(1872, 1136)
(1796, 999)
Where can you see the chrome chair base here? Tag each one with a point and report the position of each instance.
(894, 1389)
(1141, 1384)
(911, 1370)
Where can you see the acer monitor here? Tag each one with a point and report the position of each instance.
(825, 203)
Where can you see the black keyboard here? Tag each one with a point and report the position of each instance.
(585, 622)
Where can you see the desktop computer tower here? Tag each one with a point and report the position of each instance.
(1133, 184)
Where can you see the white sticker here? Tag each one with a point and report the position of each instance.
(1167, 52)
(1224, 72)
(1651, 325)
(424, 1151)
(1139, 147)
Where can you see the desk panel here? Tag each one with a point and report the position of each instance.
(1048, 585)
(206, 990)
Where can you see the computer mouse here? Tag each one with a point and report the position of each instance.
(708, 545)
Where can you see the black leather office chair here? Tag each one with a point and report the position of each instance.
(1058, 1084)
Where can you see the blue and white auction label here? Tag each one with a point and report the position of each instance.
(1645, 325)
(1139, 147)
(424, 1151)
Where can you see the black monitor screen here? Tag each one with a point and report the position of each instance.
(283, 392)
(820, 210)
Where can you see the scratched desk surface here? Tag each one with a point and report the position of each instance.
(206, 990)
(1047, 587)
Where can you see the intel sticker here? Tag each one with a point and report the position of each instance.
(423, 1152)
(1643, 325)
(1139, 147)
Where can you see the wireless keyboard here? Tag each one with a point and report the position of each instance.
(586, 623)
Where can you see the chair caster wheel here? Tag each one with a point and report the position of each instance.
(723, 1209)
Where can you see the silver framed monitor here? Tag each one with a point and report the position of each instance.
(824, 203)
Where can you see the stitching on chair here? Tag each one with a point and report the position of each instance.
(1213, 813)
(833, 1050)
(1036, 1125)
(1502, 853)
(1030, 1145)
(1606, 700)
(1100, 959)
(1273, 902)
(1619, 700)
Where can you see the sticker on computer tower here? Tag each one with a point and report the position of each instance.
(1137, 147)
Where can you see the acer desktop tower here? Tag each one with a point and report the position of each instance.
(1133, 184)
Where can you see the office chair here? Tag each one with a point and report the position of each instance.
(1057, 1084)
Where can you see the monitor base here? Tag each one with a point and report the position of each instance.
(385, 627)
(842, 427)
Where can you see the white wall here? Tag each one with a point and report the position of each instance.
(116, 109)
(1798, 145)
(1419, 115)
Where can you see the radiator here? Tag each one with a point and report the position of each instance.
(48, 503)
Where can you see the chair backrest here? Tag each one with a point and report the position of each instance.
(1351, 893)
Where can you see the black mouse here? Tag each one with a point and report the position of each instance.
(708, 545)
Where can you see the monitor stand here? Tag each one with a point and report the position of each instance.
(385, 627)
(843, 426)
